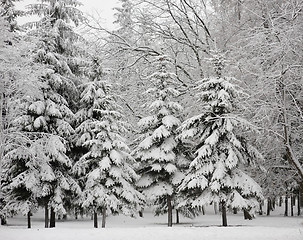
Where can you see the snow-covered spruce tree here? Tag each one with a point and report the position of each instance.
(45, 120)
(215, 174)
(21, 178)
(106, 169)
(17, 85)
(156, 148)
(59, 45)
(58, 50)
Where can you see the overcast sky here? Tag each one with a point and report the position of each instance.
(102, 8)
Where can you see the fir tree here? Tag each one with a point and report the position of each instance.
(52, 114)
(17, 85)
(215, 173)
(107, 166)
(157, 146)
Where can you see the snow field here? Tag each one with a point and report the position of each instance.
(275, 227)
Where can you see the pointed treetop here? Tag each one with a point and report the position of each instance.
(218, 61)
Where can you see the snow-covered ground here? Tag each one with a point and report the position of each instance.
(272, 227)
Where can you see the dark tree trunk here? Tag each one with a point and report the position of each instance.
(103, 217)
(224, 217)
(293, 196)
(203, 210)
(29, 220)
(141, 213)
(268, 206)
(235, 210)
(3, 220)
(261, 210)
(247, 215)
(292, 205)
(286, 205)
(95, 219)
(177, 217)
(46, 212)
(273, 205)
(301, 195)
(280, 201)
(169, 211)
(52, 222)
(298, 205)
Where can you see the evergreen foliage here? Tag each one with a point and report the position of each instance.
(49, 116)
(215, 173)
(17, 85)
(106, 168)
(157, 145)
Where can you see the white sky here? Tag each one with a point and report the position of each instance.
(100, 8)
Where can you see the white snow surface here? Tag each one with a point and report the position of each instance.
(274, 227)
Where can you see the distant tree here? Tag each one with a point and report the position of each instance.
(106, 168)
(156, 147)
(215, 174)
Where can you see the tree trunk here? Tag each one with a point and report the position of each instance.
(286, 205)
(141, 213)
(298, 205)
(247, 215)
(216, 208)
(292, 205)
(280, 201)
(268, 206)
(103, 216)
(29, 219)
(261, 210)
(95, 219)
(203, 210)
(3, 220)
(52, 223)
(169, 211)
(235, 210)
(177, 217)
(224, 217)
(301, 194)
(46, 212)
